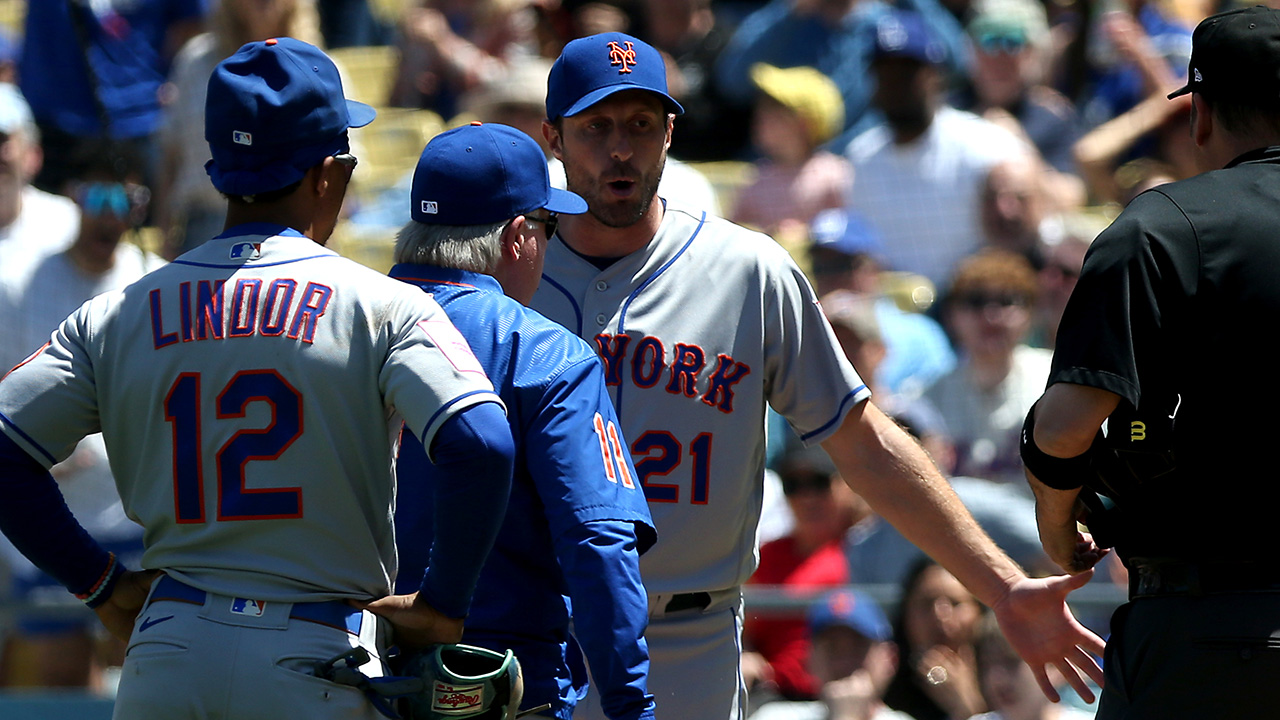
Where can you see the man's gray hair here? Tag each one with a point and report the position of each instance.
(477, 248)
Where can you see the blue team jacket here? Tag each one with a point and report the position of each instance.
(571, 539)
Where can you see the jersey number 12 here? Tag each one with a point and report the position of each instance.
(182, 409)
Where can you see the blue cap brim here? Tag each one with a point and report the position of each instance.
(563, 201)
(599, 94)
(359, 114)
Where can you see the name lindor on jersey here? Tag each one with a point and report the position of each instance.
(649, 365)
(212, 310)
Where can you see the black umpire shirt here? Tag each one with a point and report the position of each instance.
(1173, 312)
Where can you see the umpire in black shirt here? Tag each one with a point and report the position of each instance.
(1164, 340)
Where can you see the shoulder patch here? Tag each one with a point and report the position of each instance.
(451, 344)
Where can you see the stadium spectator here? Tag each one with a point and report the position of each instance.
(917, 175)
(689, 33)
(853, 658)
(834, 36)
(1063, 259)
(53, 651)
(33, 223)
(937, 675)
(983, 401)
(1011, 44)
(1015, 205)
(1102, 151)
(810, 557)
(95, 68)
(1135, 48)
(797, 111)
(448, 47)
(844, 252)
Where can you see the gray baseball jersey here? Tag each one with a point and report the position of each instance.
(697, 331)
(256, 381)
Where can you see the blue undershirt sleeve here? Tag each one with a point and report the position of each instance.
(475, 455)
(35, 518)
(610, 612)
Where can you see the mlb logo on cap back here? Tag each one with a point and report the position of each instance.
(595, 67)
(481, 174)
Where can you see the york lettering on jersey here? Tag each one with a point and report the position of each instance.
(687, 371)
(215, 310)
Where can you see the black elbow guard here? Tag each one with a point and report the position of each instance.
(1058, 473)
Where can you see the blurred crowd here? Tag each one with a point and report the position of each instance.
(938, 168)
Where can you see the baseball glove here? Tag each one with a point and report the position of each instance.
(463, 681)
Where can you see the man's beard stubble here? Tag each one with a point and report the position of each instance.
(609, 212)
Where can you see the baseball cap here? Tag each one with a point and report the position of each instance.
(902, 33)
(592, 68)
(15, 113)
(1236, 55)
(484, 173)
(274, 109)
(808, 92)
(852, 609)
(845, 232)
(1008, 25)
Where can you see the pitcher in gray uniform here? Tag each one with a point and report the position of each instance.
(699, 323)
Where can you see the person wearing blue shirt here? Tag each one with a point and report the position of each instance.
(483, 211)
(90, 69)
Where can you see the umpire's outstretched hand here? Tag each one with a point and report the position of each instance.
(121, 609)
(416, 624)
(1034, 617)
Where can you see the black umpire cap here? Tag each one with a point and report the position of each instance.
(1235, 55)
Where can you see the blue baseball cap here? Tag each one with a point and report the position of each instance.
(852, 609)
(845, 232)
(903, 33)
(274, 110)
(484, 173)
(592, 68)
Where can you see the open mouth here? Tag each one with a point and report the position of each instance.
(621, 187)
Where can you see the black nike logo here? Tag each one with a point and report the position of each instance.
(148, 623)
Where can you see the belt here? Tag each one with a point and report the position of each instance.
(1153, 577)
(333, 613)
(688, 601)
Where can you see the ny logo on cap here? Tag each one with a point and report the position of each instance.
(620, 56)
(430, 207)
(241, 137)
(1197, 75)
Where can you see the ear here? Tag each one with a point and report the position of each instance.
(552, 136)
(512, 241)
(1201, 120)
(317, 178)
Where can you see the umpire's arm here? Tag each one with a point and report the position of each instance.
(1065, 421)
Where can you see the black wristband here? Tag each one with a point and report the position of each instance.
(1055, 472)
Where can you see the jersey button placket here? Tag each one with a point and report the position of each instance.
(602, 285)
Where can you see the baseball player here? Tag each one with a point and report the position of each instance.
(699, 323)
(577, 521)
(250, 394)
